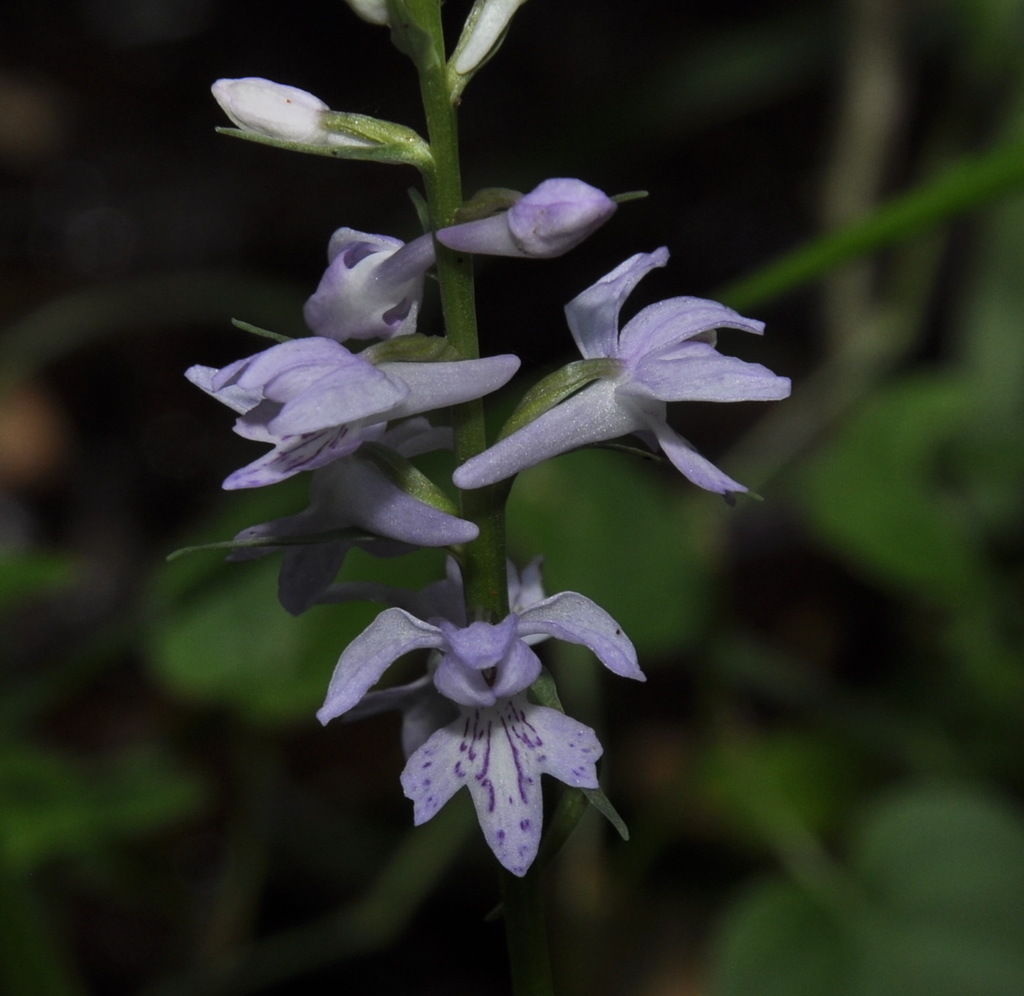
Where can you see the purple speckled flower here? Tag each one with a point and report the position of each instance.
(666, 353)
(484, 669)
(353, 493)
(499, 754)
(372, 288)
(311, 399)
(551, 219)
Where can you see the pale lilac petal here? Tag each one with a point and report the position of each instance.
(487, 236)
(593, 316)
(460, 684)
(393, 633)
(520, 669)
(372, 287)
(424, 712)
(677, 320)
(438, 385)
(690, 463)
(313, 351)
(483, 663)
(499, 754)
(371, 501)
(696, 371)
(234, 397)
(342, 395)
(575, 618)
(551, 219)
(416, 436)
(557, 216)
(292, 456)
(591, 416)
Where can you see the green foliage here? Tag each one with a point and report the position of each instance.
(930, 903)
(879, 493)
(23, 574)
(53, 806)
(590, 513)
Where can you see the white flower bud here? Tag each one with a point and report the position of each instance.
(273, 109)
(374, 11)
(485, 26)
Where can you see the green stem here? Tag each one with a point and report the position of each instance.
(526, 933)
(483, 565)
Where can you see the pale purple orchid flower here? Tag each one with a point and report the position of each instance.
(501, 743)
(551, 219)
(373, 286)
(311, 399)
(353, 493)
(424, 709)
(666, 353)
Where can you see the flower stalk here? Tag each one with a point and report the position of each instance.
(483, 566)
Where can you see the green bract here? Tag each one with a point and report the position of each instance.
(361, 137)
(555, 388)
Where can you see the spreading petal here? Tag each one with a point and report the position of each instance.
(696, 371)
(591, 416)
(690, 463)
(593, 315)
(575, 618)
(677, 320)
(393, 633)
(438, 385)
(499, 754)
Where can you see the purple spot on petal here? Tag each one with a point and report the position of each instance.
(524, 825)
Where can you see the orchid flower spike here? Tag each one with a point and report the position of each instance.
(373, 286)
(666, 353)
(274, 110)
(551, 219)
(354, 493)
(312, 399)
(501, 743)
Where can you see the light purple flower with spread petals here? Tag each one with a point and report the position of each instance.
(353, 493)
(666, 353)
(501, 743)
(551, 219)
(311, 399)
(372, 288)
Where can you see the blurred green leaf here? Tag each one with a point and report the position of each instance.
(231, 644)
(779, 787)
(779, 941)
(965, 186)
(26, 573)
(934, 907)
(876, 493)
(53, 806)
(610, 530)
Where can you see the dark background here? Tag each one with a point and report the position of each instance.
(165, 832)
